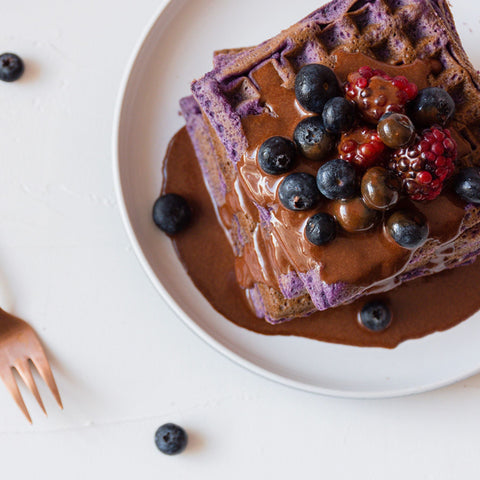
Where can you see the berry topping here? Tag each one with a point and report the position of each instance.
(298, 191)
(362, 147)
(338, 115)
(408, 228)
(380, 188)
(276, 155)
(336, 179)
(171, 213)
(11, 67)
(314, 85)
(432, 106)
(375, 92)
(395, 130)
(467, 184)
(354, 216)
(321, 229)
(312, 139)
(171, 439)
(375, 316)
(426, 164)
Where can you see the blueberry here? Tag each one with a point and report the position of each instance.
(298, 191)
(467, 184)
(395, 130)
(171, 213)
(321, 229)
(11, 67)
(336, 179)
(408, 228)
(312, 138)
(276, 155)
(375, 316)
(432, 106)
(171, 439)
(338, 115)
(314, 85)
(380, 188)
(354, 216)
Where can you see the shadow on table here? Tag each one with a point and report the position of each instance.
(196, 442)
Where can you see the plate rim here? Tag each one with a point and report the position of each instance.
(169, 300)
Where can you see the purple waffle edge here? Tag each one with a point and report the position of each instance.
(197, 128)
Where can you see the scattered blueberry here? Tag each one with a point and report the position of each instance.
(408, 228)
(171, 213)
(467, 184)
(432, 106)
(171, 439)
(314, 85)
(336, 179)
(312, 138)
(298, 191)
(276, 155)
(338, 115)
(321, 229)
(375, 316)
(11, 67)
(395, 130)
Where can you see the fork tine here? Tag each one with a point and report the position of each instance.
(24, 371)
(9, 380)
(41, 363)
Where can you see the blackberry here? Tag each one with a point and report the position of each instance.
(424, 166)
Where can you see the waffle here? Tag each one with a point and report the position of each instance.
(393, 32)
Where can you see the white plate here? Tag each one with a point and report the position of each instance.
(176, 48)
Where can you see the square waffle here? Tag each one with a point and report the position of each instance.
(239, 94)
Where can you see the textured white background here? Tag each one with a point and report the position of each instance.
(124, 363)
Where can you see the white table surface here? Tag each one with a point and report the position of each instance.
(123, 362)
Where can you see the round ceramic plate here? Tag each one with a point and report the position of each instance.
(175, 49)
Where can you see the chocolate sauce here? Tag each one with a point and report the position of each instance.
(360, 259)
(419, 307)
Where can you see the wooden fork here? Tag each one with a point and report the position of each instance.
(19, 344)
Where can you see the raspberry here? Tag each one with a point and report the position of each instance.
(425, 165)
(362, 147)
(376, 93)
